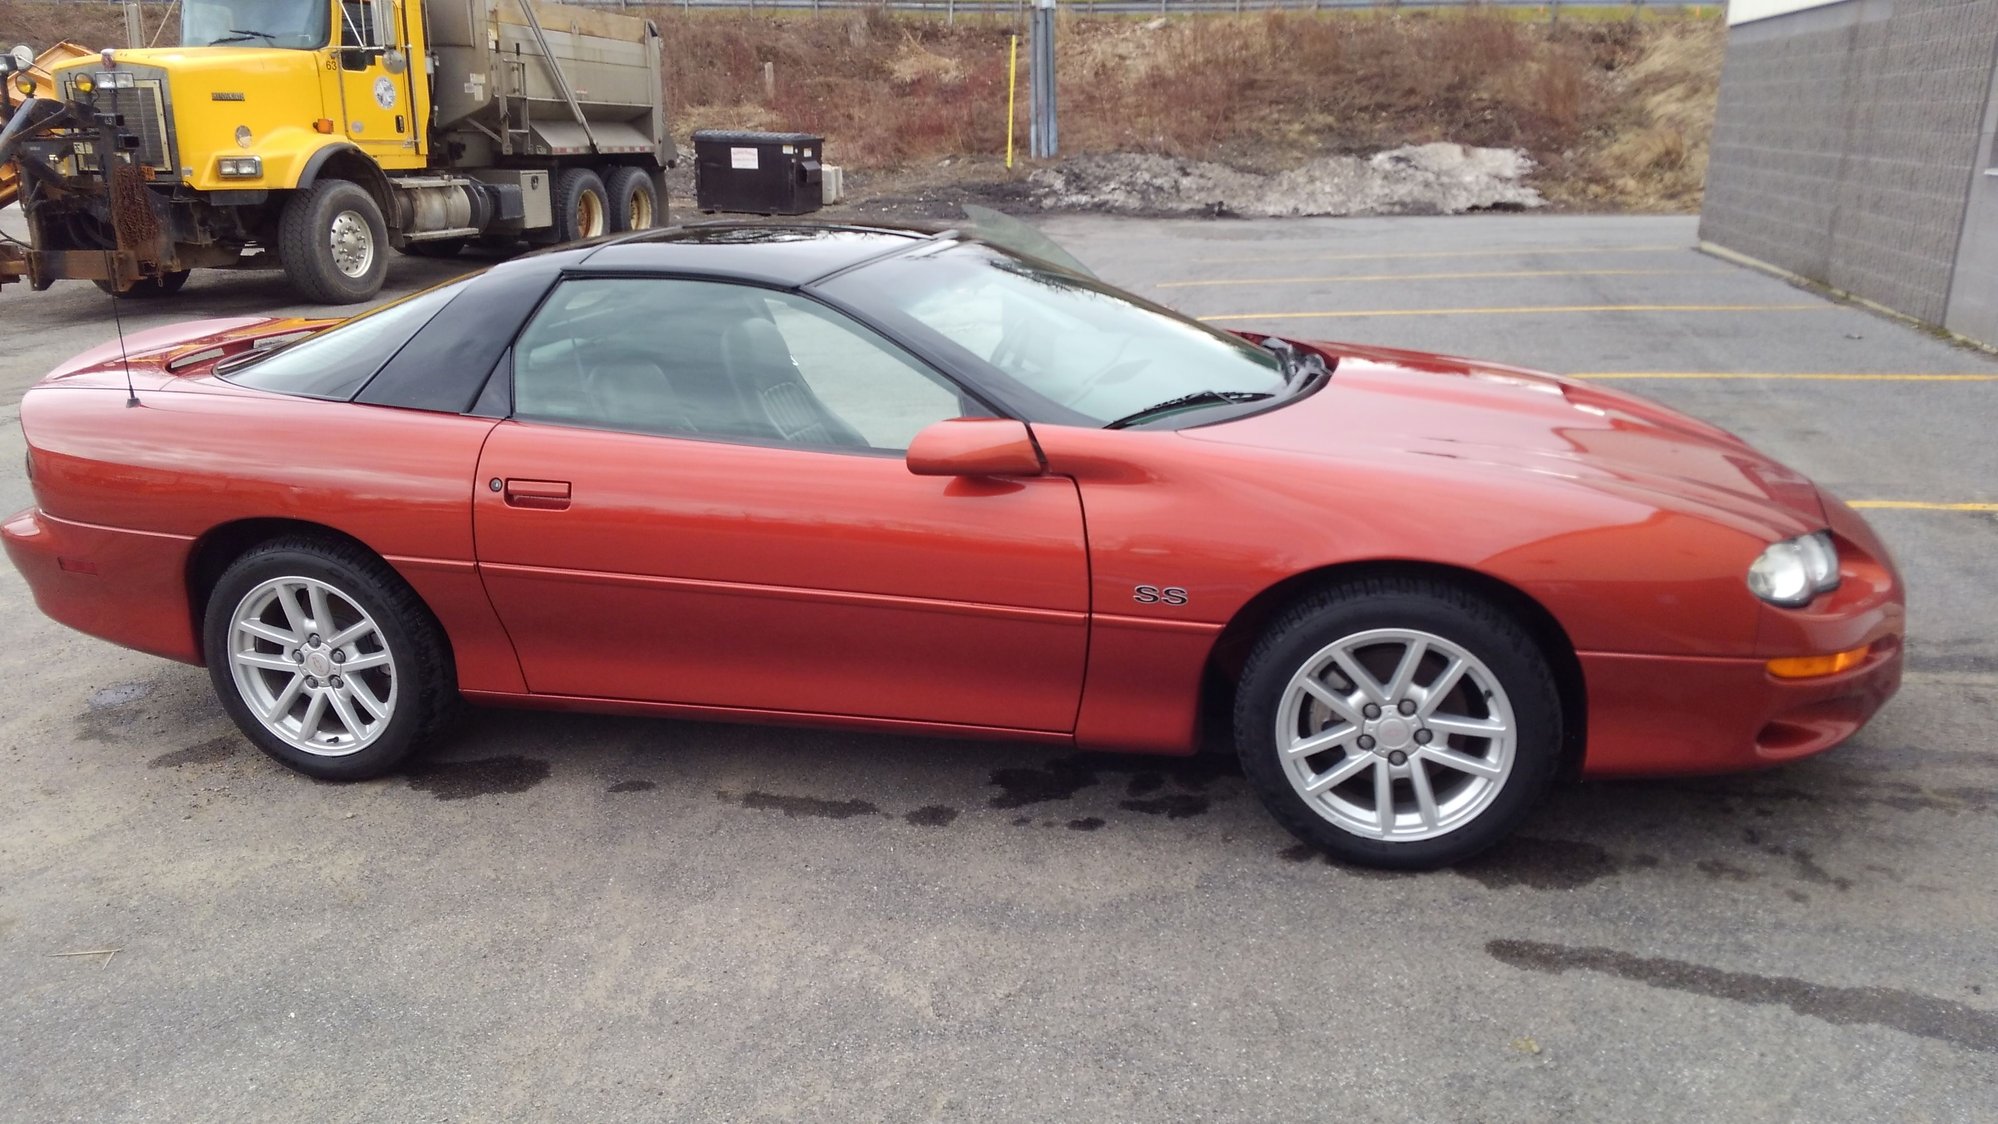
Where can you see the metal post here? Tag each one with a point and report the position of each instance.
(135, 24)
(1044, 137)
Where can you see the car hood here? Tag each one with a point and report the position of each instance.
(1382, 402)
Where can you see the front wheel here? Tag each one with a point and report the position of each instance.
(326, 659)
(1400, 723)
(333, 243)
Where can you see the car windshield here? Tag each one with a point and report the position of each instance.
(1068, 348)
(339, 361)
(299, 24)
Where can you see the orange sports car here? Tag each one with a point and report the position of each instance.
(904, 481)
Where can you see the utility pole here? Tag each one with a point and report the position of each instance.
(135, 24)
(1044, 137)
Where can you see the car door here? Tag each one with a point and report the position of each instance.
(701, 499)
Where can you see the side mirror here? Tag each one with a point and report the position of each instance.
(975, 447)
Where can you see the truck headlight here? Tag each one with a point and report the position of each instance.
(1790, 573)
(84, 84)
(25, 83)
(242, 167)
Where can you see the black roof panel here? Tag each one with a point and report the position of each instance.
(766, 253)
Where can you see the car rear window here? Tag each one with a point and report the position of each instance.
(337, 362)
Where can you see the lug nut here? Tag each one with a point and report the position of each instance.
(311, 683)
(1424, 737)
(339, 655)
(334, 682)
(1397, 758)
(298, 654)
(1366, 741)
(1370, 711)
(1407, 706)
(313, 640)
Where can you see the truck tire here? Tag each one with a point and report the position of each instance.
(148, 288)
(634, 199)
(582, 206)
(333, 243)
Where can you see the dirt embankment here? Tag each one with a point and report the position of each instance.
(1609, 115)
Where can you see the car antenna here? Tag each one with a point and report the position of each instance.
(118, 320)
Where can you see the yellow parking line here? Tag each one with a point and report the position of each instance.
(1919, 505)
(1443, 276)
(1342, 314)
(1842, 377)
(1455, 254)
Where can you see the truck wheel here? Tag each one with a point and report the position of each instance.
(582, 206)
(146, 288)
(634, 200)
(331, 240)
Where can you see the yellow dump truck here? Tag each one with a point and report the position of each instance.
(314, 136)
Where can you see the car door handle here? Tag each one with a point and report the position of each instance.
(542, 495)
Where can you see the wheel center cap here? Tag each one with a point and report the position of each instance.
(318, 664)
(1393, 733)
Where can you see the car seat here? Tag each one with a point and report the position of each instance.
(760, 367)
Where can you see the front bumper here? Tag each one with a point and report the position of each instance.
(128, 587)
(1674, 715)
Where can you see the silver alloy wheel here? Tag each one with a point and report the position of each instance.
(353, 244)
(1396, 734)
(312, 665)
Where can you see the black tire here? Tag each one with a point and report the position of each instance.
(425, 697)
(635, 199)
(305, 233)
(435, 248)
(1461, 618)
(582, 206)
(150, 288)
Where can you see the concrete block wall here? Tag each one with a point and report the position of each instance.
(1847, 141)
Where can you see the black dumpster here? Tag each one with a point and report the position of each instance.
(764, 173)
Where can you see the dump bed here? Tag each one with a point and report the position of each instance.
(534, 79)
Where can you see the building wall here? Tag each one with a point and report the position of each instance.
(1847, 140)
(1973, 293)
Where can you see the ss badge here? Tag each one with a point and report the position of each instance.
(1154, 595)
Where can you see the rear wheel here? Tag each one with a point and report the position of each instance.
(1398, 722)
(634, 199)
(326, 659)
(331, 239)
(582, 206)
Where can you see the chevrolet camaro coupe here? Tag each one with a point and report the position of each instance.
(911, 481)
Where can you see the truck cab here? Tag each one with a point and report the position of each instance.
(315, 136)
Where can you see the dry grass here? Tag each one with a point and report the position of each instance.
(1617, 112)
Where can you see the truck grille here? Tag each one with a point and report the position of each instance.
(145, 116)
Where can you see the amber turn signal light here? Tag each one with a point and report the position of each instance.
(324, 124)
(1811, 667)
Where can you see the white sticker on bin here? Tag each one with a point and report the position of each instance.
(742, 158)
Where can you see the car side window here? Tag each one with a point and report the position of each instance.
(723, 362)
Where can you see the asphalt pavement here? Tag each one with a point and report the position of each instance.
(576, 918)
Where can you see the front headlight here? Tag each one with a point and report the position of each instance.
(84, 84)
(1792, 572)
(242, 167)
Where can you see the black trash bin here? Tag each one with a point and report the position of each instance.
(763, 173)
